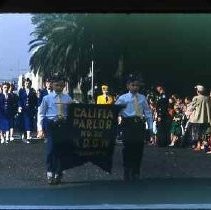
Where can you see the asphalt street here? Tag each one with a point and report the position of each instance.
(170, 176)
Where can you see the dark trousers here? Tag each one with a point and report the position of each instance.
(163, 131)
(53, 163)
(133, 146)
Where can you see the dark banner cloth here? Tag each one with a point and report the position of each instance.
(88, 135)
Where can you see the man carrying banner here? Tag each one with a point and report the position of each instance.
(53, 113)
(133, 122)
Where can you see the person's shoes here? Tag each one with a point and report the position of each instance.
(171, 145)
(26, 141)
(7, 139)
(12, 138)
(151, 143)
(2, 140)
(50, 178)
(29, 138)
(57, 178)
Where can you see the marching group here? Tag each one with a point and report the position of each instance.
(170, 121)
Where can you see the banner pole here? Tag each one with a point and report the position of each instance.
(92, 75)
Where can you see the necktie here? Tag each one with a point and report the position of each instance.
(137, 107)
(106, 99)
(60, 106)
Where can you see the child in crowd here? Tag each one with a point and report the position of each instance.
(176, 129)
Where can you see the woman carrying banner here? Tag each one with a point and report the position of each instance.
(134, 114)
(52, 113)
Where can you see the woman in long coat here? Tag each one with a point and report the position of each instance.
(28, 107)
(200, 118)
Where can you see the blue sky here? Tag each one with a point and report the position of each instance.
(15, 32)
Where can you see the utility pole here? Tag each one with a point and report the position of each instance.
(92, 73)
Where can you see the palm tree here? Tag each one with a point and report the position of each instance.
(60, 46)
(63, 43)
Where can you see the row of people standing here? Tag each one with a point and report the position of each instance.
(185, 121)
(19, 110)
(8, 110)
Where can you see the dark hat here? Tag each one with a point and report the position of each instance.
(133, 77)
(199, 87)
(57, 77)
(48, 80)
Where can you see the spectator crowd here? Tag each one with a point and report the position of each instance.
(177, 121)
(181, 122)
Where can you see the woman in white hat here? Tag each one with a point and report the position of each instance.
(200, 118)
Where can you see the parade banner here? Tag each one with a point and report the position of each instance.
(88, 135)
